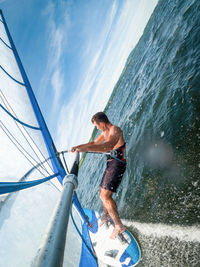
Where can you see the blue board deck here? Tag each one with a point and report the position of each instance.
(122, 251)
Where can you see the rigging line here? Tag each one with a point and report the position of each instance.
(29, 145)
(39, 165)
(32, 98)
(12, 77)
(100, 153)
(78, 206)
(57, 155)
(21, 122)
(84, 241)
(5, 43)
(19, 147)
(26, 135)
(65, 162)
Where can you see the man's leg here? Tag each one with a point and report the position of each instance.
(105, 217)
(110, 206)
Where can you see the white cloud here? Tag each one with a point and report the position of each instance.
(57, 84)
(57, 38)
(102, 73)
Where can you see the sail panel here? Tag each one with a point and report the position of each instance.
(87, 257)
(22, 147)
(4, 36)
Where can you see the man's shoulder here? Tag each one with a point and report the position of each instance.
(116, 129)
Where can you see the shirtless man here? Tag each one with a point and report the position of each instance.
(110, 140)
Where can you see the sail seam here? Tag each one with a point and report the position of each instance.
(12, 77)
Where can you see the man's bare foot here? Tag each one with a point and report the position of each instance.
(119, 229)
(105, 217)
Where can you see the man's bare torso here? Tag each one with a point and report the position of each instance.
(111, 138)
(114, 131)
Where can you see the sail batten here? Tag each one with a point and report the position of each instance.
(22, 126)
(11, 76)
(5, 43)
(23, 123)
(26, 135)
(28, 155)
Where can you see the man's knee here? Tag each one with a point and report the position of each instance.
(102, 195)
(105, 194)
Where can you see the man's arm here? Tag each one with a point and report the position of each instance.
(98, 145)
(84, 147)
(105, 147)
(109, 144)
(100, 139)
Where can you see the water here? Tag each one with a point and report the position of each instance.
(157, 104)
(166, 245)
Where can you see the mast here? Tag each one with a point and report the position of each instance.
(51, 251)
(57, 165)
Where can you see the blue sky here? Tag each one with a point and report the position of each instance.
(74, 52)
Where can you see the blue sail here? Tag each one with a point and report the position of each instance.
(25, 138)
(24, 127)
(88, 257)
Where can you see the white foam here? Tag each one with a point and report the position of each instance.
(183, 233)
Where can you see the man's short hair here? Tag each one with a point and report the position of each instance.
(100, 117)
